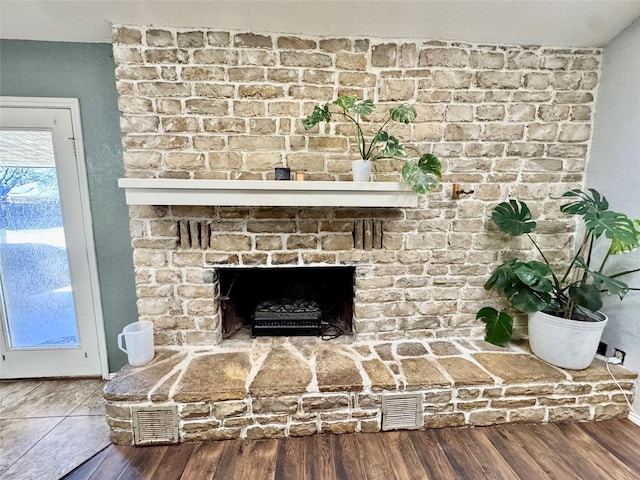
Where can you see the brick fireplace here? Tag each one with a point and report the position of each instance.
(201, 105)
(508, 121)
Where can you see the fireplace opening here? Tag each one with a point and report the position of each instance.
(287, 301)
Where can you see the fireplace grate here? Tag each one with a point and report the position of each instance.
(286, 328)
(299, 317)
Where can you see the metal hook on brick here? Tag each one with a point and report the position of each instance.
(457, 191)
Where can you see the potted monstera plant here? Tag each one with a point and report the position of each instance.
(563, 302)
(422, 175)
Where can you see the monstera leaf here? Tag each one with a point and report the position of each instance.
(499, 325)
(613, 225)
(503, 276)
(513, 217)
(586, 295)
(318, 115)
(585, 203)
(404, 113)
(431, 163)
(526, 299)
(346, 102)
(618, 246)
(604, 283)
(424, 176)
(392, 148)
(351, 103)
(598, 219)
(610, 285)
(525, 284)
(534, 274)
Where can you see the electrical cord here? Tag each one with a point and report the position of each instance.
(616, 361)
(337, 331)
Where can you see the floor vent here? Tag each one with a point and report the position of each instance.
(402, 411)
(155, 425)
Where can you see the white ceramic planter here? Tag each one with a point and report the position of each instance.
(565, 343)
(361, 170)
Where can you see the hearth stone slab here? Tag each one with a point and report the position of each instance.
(411, 349)
(420, 371)
(597, 371)
(282, 372)
(161, 392)
(444, 348)
(384, 351)
(464, 372)
(215, 377)
(337, 372)
(137, 383)
(519, 368)
(269, 388)
(379, 374)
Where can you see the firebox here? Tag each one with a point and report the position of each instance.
(287, 301)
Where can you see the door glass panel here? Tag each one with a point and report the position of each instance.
(34, 268)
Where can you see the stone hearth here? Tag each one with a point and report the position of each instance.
(277, 387)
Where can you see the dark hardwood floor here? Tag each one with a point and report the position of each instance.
(583, 451)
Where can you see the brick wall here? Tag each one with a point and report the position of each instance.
(507, 121)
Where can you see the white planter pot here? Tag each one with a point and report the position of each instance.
(361, 170)
(565, 343)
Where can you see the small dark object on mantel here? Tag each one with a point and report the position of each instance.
(282, 173)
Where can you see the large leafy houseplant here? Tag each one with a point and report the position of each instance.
(570, 291)
(422, 175)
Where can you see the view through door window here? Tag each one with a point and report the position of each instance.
(34, 268)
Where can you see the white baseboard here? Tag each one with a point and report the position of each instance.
(634, 417)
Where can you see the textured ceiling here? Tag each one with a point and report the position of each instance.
(550, 22)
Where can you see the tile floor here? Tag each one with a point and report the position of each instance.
(49, 427)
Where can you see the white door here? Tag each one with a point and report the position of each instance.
(51, 321)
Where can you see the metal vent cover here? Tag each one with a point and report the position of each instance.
(367, 233)
(155, 425)
(194, 233)
(402, 411)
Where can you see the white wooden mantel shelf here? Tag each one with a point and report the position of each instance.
(266, 193)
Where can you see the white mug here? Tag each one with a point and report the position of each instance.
(138, 339)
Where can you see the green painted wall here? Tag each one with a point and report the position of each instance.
(86, 71)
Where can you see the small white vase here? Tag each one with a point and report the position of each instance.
(565, 343)
(361, 170)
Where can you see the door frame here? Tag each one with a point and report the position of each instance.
(73, 105)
